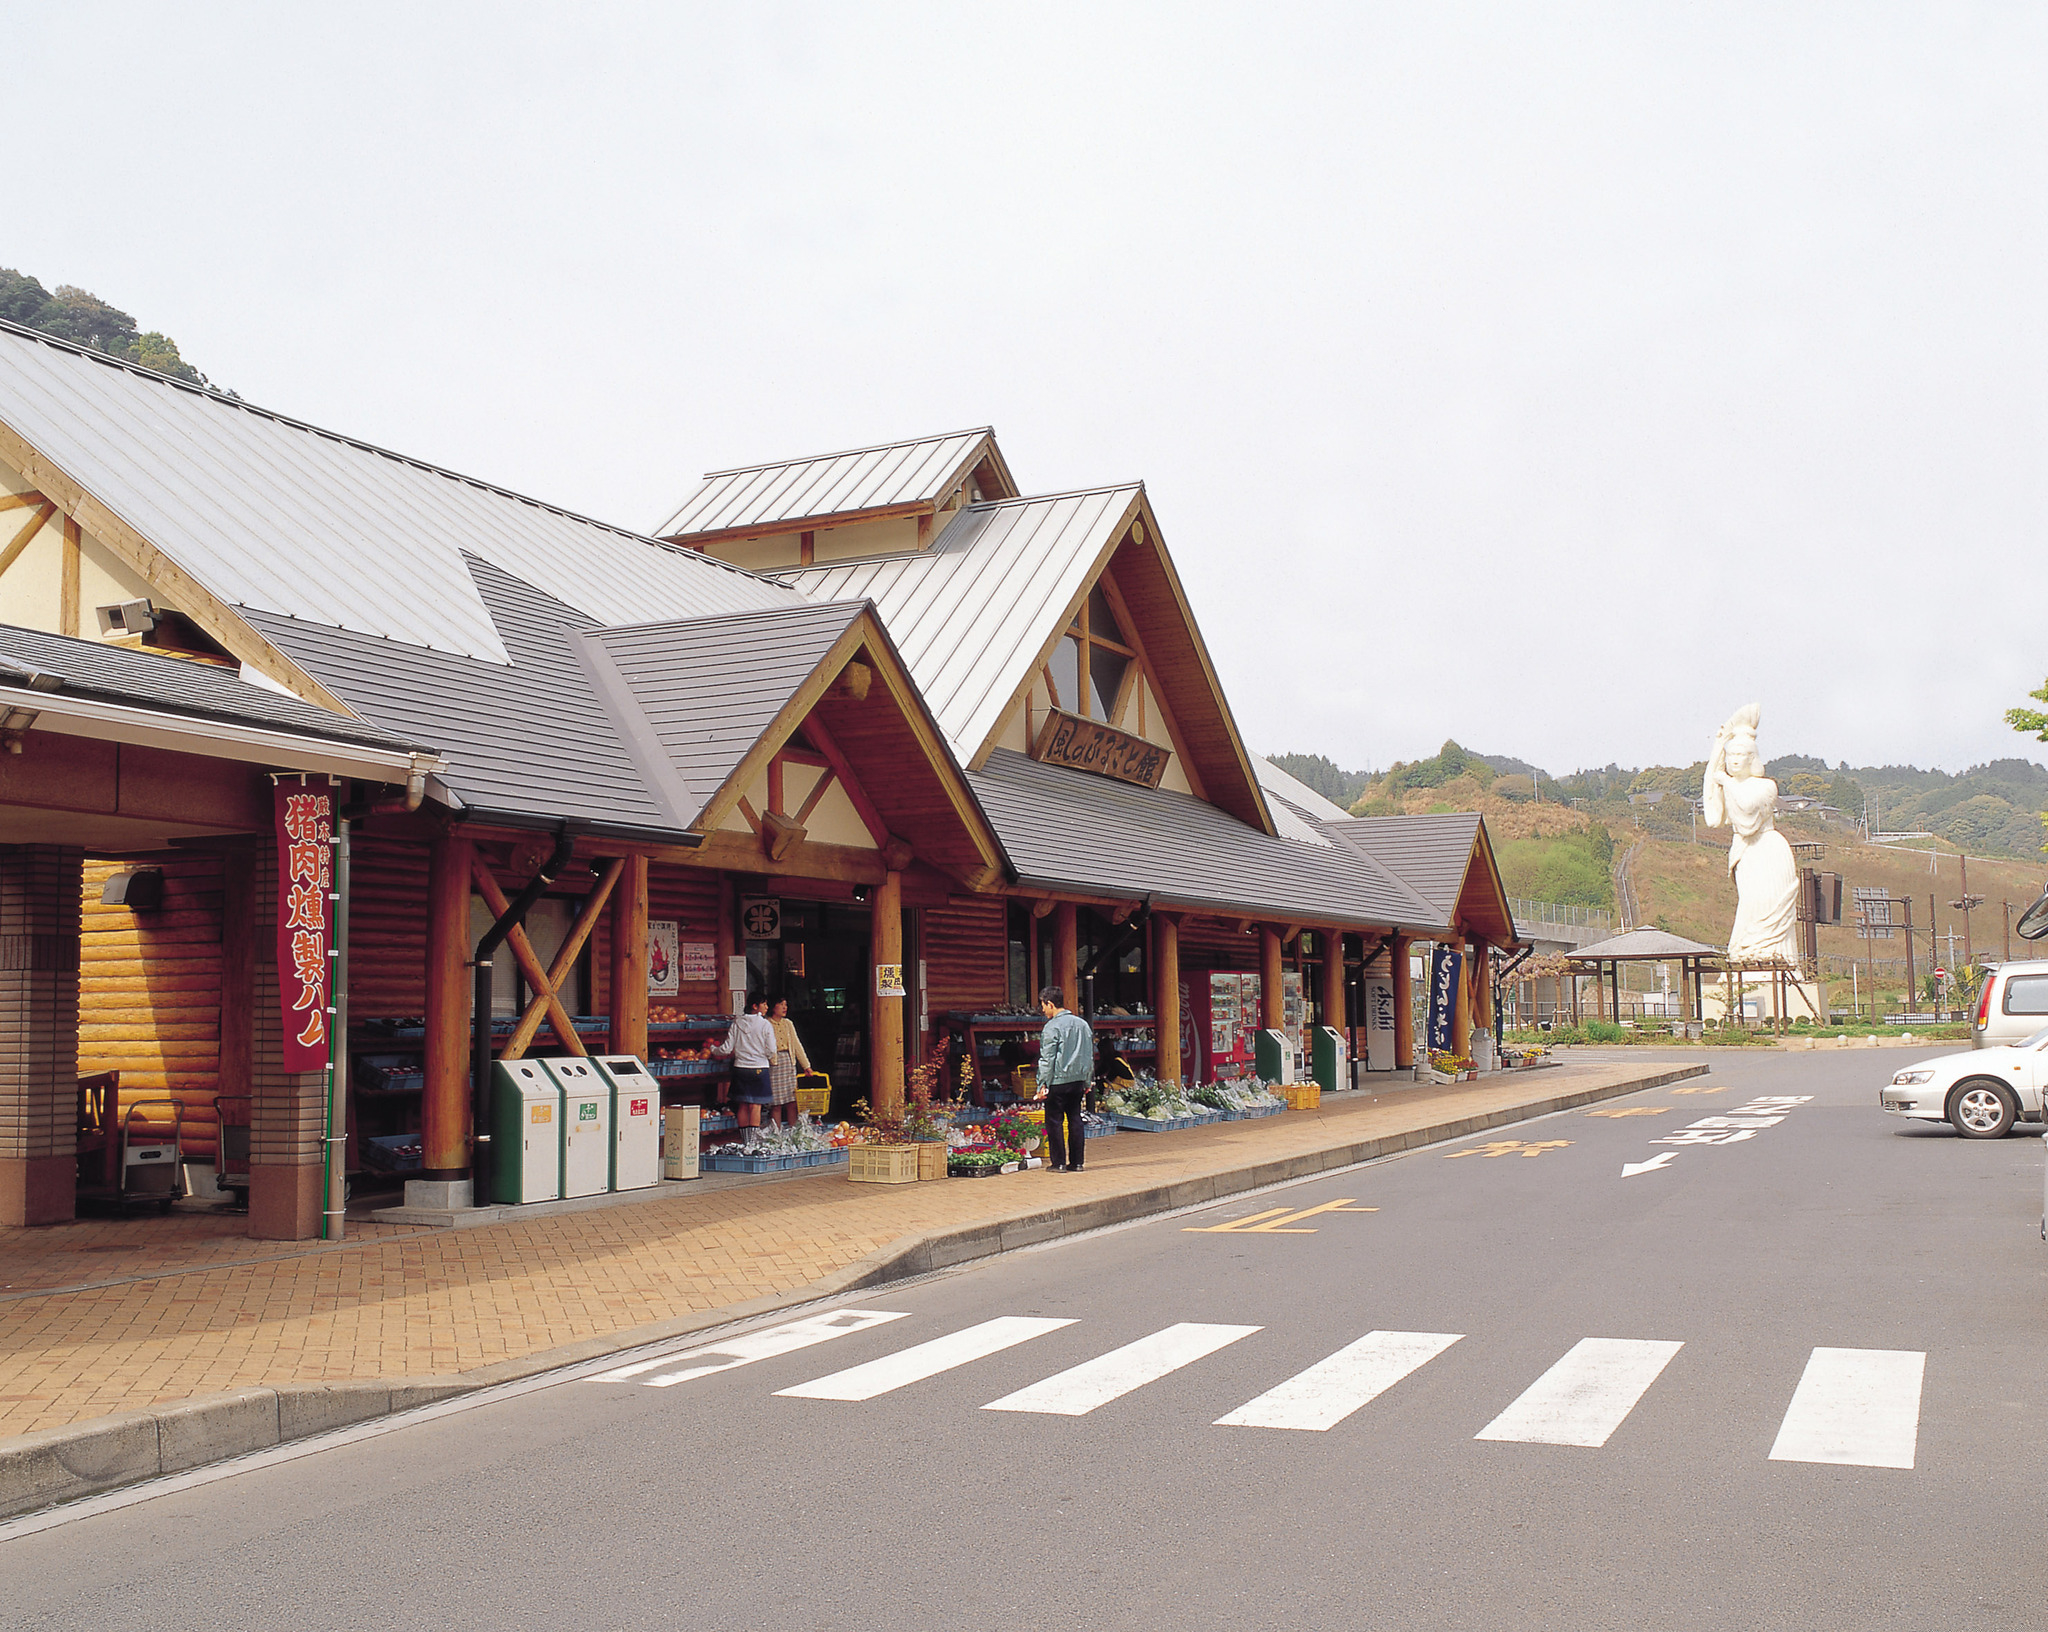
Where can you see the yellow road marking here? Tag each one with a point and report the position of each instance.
(1275, 1220)
(1721, 1090)
(1631, 1110)
(1509, 1147)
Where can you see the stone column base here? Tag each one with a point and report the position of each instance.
(438, 1195)
(285, 1203)
(38, 1189)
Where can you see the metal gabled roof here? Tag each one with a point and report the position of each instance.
(1650, 945)
(120, 674)
(1066, 830)
(1296, 792)
(920, 471)
(270, 514)
(972, 612)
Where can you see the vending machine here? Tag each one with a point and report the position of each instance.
(1224, 1010)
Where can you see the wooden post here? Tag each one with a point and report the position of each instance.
(1461, 1008)
(1331, 999)
(1166, 994)
(885, 942)
(1271, 981)
(728, 941)
(1066, 953)
(444, 1106)
(1404, 1003)
(629, 960)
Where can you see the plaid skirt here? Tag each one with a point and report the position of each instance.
(782, 1078)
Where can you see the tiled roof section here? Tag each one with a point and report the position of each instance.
(269, 514)
(1645, 943)
(528, 738)
(1068, 830)
(709, 688)
(1429, 853)
(919, 471)
(118, 674)
(971, 613)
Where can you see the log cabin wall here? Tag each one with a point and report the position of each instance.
(966, 956)
(387, 926)
(149, 990)
(689, 897)
(1207, 943)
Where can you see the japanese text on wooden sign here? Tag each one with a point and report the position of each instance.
(305, 877)
(1089, 745)
(888, 980)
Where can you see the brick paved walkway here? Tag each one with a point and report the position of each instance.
(104, 1316)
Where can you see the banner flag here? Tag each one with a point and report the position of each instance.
(305, 880)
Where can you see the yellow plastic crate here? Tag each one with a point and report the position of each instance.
(1302, 1096)
(883, 1164)
(931, 1160)
(814, 1101)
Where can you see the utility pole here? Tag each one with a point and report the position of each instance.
(2007, 906)
(1965, 906)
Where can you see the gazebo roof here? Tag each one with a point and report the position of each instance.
(1642, 945)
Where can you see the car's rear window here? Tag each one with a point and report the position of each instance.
(2027, 994)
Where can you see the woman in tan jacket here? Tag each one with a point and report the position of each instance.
(786, 1040)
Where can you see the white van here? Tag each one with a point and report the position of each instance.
(2012, 1006)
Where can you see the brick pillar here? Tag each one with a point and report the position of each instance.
(39, 926)
(288, 1113)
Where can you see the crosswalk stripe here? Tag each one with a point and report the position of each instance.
(744, 1351)
(1856, 1407)
(1330, 1390)
(1080, 1389)
(1584, 1397)
(913, 1365)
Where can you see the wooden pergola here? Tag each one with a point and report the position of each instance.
(1603, 960)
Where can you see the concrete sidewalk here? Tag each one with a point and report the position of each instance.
(183, 1342)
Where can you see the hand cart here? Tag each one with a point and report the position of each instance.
(231, 1155)
(148, 1173)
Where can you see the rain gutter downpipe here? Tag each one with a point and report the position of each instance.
(511, 918)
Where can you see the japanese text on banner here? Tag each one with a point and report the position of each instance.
(305, 878)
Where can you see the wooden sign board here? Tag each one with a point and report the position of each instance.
(1089, 745)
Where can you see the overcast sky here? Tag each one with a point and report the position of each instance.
(1554, 377)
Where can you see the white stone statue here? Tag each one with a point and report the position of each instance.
(1738, 794)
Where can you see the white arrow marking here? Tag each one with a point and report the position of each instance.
(1630, 1169)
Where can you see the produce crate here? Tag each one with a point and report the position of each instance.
(388, 1153)
(882, 1164)
(1153, 1124)
(723, 1163)
(685, 1068)
(981, 1172)
(389, 1072)
(1253, 1114)
(1301, 1096)
(814, 1101)
(931, 1160)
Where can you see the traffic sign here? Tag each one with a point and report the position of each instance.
(1940, 973)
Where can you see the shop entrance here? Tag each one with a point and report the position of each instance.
(815, 954)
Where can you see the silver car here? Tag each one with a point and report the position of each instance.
(1983, 1092)
(2012, 1005)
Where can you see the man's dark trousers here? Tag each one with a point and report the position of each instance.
(1065, 1135)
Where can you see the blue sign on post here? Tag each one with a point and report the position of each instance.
(1444, 965)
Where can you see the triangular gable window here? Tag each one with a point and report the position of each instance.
(1109, 657)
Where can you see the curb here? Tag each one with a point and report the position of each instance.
(56, 1465)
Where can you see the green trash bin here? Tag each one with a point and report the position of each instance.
(1273, 1052)
(1331, 1059)
(526, 1133)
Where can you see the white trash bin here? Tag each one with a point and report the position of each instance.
(636, 1122)
(586, 1126)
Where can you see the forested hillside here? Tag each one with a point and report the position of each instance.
(85, 320)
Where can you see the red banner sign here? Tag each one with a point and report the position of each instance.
(305, 878)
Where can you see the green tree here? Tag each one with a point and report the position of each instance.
(81, 317)
(2031, 719)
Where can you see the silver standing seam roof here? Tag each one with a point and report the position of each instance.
(971, 613)
(920, 471)
(1071, 831)
(271, 514)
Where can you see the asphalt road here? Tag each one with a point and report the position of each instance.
(1421, 1483)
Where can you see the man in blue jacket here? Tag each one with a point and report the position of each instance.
(1066, 1062)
